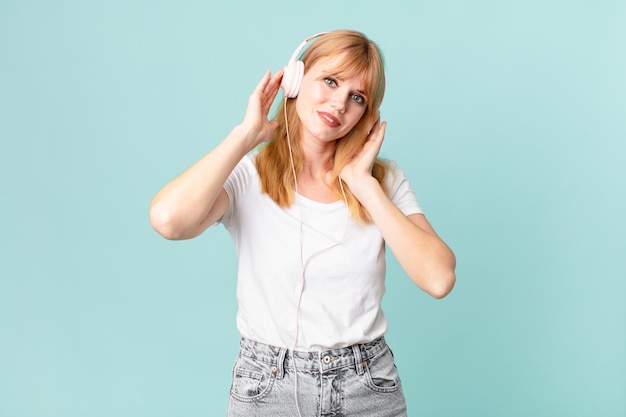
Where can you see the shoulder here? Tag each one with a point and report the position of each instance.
(248, 162)
(241, 177)
(399, 188)
(246, 168)
(394, 175)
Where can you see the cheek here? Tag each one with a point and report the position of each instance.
(355, 116)
(309, 97)
(316, 93)
(308, 93)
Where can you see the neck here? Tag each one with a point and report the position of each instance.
(316, 156)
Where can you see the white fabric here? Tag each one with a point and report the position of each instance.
(343, 284)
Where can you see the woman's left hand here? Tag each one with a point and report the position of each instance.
(426, 259)
(358, 172)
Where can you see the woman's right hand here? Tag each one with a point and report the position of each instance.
(256, 123)
(195, 199)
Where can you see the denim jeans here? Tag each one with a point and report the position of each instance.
(361, 380)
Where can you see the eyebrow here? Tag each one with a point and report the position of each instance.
(363, 93)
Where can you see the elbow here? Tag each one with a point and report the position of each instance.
(442, 287)
(437, 282)
(443, 278)
(436, 278)
(162, 222)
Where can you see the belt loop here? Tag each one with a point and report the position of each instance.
(281, 363)
(358, 363)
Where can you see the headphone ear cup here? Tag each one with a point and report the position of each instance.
(292, 77)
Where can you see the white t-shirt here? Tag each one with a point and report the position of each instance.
(344, 265)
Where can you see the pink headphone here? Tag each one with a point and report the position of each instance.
(294, 71)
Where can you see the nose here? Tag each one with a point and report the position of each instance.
(339, 102)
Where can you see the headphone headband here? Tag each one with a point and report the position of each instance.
(302, 45)
(294, 71)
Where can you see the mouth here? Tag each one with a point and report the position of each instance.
(329, 119)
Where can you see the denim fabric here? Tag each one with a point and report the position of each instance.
(361, 380)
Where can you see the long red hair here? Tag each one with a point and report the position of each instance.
(361, 57)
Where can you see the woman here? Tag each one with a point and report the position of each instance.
(310, 212)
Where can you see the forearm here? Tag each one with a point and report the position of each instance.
(180, 209)
(426, 259)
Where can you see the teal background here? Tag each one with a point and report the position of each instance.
(508, 116)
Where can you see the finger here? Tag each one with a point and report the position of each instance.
(275, 81)
(376, 121)
(260, 87)
(375, 141)
(378, 132)
(271, 88)
(274, 85)
(375, 125)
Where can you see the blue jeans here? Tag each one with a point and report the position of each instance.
(361, 380)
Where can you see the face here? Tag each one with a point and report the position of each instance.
(329, 106)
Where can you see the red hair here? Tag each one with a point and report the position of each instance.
(360, 57)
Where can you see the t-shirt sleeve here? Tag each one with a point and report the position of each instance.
(236, 185)
(400, 191)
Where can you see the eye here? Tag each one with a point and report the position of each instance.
(330, 82)
(358, 98)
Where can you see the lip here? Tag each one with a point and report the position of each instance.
(329, 119)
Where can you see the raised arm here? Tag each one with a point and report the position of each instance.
(195, 199)
(426, 259)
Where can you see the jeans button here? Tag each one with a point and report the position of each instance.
(326, 359)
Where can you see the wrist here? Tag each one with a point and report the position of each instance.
(365, 188)
(245, 137)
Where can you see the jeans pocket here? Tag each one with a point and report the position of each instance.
(381, 373)
(251, 380)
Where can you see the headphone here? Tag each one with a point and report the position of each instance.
(294, 71)
(292, 78)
